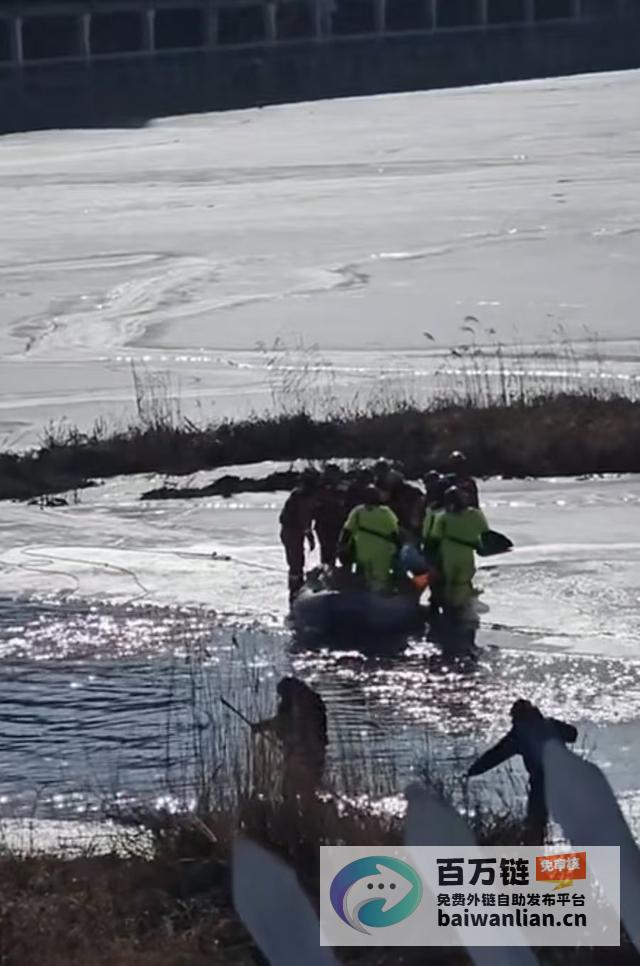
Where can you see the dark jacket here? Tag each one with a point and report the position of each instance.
(407, 502)
(469, 488)
(298, 512)
(301, 726)
(330, 512)
(525, 739)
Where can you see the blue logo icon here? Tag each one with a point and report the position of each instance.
(375, 892)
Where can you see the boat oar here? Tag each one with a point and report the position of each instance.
(493, 543)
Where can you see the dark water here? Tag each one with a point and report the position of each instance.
(104, 705)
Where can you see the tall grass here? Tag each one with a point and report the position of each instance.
(158, 405)
(219, 776)
(516, 409)
(480, 370)
(485, 371)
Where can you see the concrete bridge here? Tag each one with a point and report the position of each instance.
(94, 62)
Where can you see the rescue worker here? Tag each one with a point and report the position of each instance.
(381, 470)
(330, 514)
(296, 520)
(526, 737)
(356, 489)
(300, 726)
(372, 533)
(430, 546)
(355, 496)
(458, 470)
(432, 487)
(457, 532)
(433, 506)
(406, 501)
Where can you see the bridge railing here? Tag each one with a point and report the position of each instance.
(33, 31)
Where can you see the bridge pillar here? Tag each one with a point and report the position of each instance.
(84, 35)
(211, 20)
(17, 50)
(149, 30)
(271, 22)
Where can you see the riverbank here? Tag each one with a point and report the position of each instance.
(571, 434)
(175, 907)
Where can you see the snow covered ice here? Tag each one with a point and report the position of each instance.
(354, 226)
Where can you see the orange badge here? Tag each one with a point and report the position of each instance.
(561, 869)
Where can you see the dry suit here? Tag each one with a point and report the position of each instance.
(407, 502)
(330, 515)
(295, 525)
(458, 533)
(431, 550)
(374, 533)
(429, 543)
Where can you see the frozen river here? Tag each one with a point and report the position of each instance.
(254, 257)
(354, 226)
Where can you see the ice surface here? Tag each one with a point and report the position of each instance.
(356, 225)
(573, 580)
